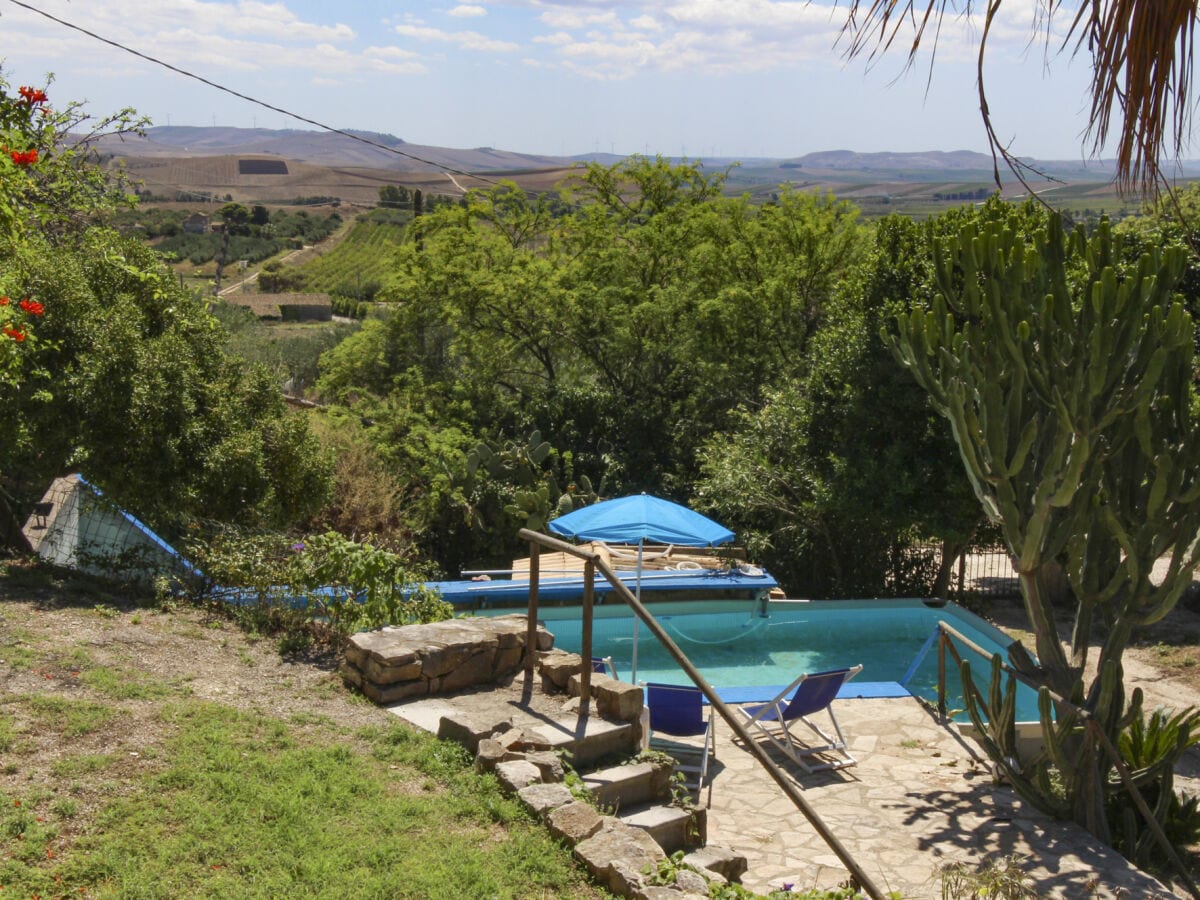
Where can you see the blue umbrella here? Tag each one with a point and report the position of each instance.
(640, 518)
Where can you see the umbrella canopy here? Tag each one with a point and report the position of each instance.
(641, 518)
(635, 520)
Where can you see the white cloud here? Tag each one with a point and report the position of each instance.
(559, 37)
(610, 39)
(570, 18)
(468, 40)
(250, 18)
(646, 23)
(468, 11)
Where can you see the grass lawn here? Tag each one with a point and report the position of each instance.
(168, 754)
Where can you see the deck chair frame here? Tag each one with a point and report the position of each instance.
(773, 720)
(696, 774)
(604, 665)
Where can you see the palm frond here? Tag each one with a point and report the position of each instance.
(1142, 54)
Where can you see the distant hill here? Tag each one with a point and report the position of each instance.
(320, 148)
(260, 165)
(939, 165)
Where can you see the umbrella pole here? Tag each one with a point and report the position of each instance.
(633, 668)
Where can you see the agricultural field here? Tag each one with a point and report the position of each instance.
(359, 265)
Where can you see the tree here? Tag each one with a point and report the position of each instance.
(845, 471)
(126, 375)
(623, 321)
(395, 196)
(1141, 52)
(1068, 383)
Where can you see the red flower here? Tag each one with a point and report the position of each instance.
(33, 307)
(17, 334)
(26, 158)
(3, 301)
(32, 96)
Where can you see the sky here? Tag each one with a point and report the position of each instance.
(697, 78)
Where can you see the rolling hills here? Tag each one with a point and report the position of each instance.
(258, 165)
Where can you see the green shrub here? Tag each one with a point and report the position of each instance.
(281, 583)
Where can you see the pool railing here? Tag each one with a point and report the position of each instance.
(947, 635)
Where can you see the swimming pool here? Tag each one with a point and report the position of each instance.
(751, 645)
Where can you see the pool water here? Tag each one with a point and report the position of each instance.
(738, 646)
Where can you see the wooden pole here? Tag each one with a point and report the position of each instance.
(535, 550)
(585, 677)
(942, 639)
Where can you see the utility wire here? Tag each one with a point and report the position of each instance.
(249, 99)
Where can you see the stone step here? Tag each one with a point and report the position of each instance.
(630, 785)
(586, 742)
(672, 827)
(600, 739)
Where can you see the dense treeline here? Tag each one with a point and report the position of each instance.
(661, 337)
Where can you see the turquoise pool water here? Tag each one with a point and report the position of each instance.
(736, 645)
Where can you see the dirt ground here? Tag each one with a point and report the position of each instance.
(123, 664)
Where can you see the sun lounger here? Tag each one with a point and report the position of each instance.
(804, 697)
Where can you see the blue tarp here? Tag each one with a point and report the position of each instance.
(699, 584)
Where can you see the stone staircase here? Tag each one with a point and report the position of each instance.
(613, 805)
(639, 794)
(620, 813)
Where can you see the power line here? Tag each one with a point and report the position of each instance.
(249, 99)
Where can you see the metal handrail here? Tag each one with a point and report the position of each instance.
(537, 541)
(948, 631)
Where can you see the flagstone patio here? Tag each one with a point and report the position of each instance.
(920, 797)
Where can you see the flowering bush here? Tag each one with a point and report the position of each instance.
(24, 129)
(47, 184)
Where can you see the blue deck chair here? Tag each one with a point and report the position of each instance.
(677, 711)
(813, 693)
(605, 666)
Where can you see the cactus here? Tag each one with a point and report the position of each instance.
(1067, 384)
(527, 473)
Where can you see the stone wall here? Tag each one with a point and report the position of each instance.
(393, 663)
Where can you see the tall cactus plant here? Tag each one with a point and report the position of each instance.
(1067, 379)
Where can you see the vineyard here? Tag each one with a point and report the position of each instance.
(358, 267)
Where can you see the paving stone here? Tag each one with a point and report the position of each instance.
(617, 855)
(549, 764)
(575, 821)
(543, 798)
(722, 862)
(516, 774)
(465, 730)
